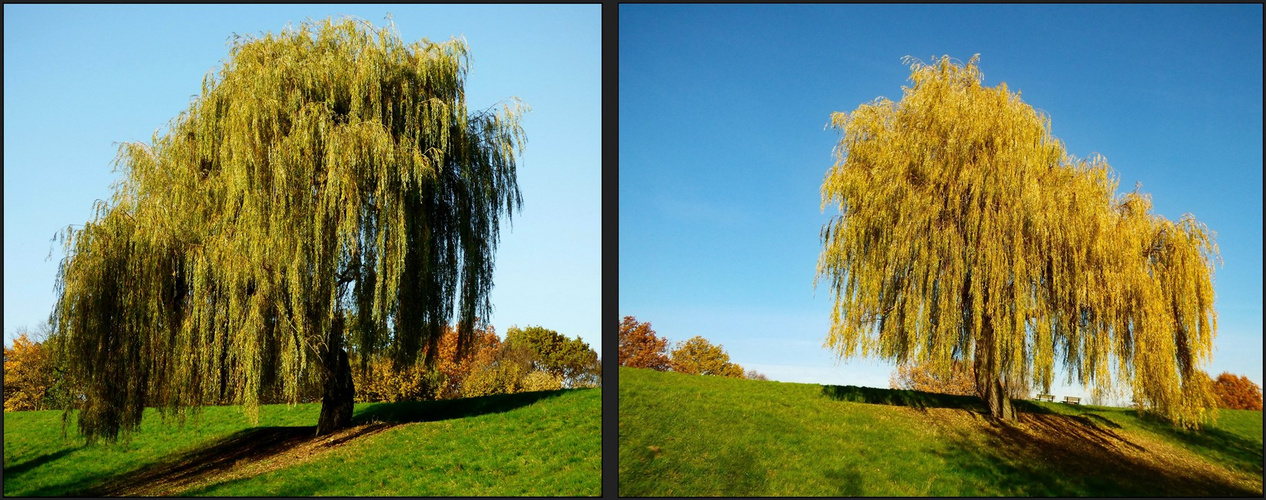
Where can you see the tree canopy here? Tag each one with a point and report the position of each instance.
(1237, 392)
(30, 377)
(697, 356)
(966, 232)
(572, 361)
(328, 185)
(640, 347)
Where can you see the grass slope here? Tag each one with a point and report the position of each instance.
(684, 435)
(543, 443)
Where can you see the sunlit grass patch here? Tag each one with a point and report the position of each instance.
(545, 443)
(684, 435)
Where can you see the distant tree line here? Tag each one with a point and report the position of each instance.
(1234, 392)
(529, 359)
(640, 347)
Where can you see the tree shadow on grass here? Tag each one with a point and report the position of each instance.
(13, 472)
(847, 481)
(1236, 451)
(1052, 454)
(208, 465)
(432, 411)
(743, 477)
(182, 469)
(920, 399)
(901, 397)
(1227, 448)
(1062, 455)
(294, 487)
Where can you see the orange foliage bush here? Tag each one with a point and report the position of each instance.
(921, 377)
(1237, 392)
(381, 380)
(640, 347)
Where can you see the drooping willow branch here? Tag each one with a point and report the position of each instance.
(328, 172)
(966, 231)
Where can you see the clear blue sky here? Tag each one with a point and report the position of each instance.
(79, 78)
(722, 148)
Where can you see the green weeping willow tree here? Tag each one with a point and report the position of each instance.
(329, 188)
(967, 233)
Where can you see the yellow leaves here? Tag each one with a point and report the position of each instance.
(957, 197)
(29, 375)
(329, 160)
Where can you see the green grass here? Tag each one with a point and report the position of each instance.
(683, 435)
(545, 443)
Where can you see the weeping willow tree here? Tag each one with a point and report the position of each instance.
(327, 189)
(967, 233)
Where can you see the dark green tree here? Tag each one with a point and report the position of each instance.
(329, 187)
(570, 359)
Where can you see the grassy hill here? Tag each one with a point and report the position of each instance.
(687, 435)
(541, 443)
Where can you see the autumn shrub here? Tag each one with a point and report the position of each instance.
(700, 357)
(924, 377)
(1237, 392)
(382, 380)
(640, 347)
(456, 369)
(542, 381)
(529, 359)
(502, 376)
(30, 377)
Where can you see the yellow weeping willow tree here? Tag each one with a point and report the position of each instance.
(328, 189)
(967, 233)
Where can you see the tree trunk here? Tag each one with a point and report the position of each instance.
(340, 394)
(994, 393)
(989, 384)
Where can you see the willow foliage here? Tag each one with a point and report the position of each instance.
(329, 182)
(968, 233)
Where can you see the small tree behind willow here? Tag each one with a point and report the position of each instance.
(966, 232)
(1237, 392)
(570, 360)
(328, 186)
(922, 377)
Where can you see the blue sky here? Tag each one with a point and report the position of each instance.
(723, 148)
(77, 79)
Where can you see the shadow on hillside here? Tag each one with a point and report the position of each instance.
(253, 444)
(919, 399)
(431, 411)
(1082, 454)
(1063, 455)
(19, 469)
(202, 466)
(1242, 453)
(901, 397)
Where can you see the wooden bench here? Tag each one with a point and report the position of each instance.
(1046, 397)
(1072, 400)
